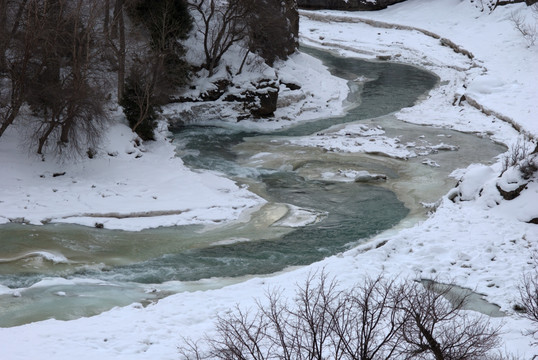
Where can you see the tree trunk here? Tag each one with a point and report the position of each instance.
(43, 139)
(9, 120)
(120, 23)
(433, 344)
(106, 21)
(3, 35)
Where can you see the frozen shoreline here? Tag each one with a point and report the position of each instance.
(474, 243)
(132, 187)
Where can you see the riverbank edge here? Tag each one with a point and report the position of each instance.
(158, 328)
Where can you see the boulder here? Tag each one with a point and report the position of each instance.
(261, 101)
(511, 194)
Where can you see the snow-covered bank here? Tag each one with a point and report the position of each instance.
(477, 243)
(127, 186)
(318, 95)
(498, 78)
(133, 186)
(490, 89)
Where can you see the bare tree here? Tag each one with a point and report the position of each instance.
(154, 74)
(313, 323)
(436, 328)
(64, 91)
(376, 319)
(528, 29)
(14, 70)
(117, 42)
(139, 98)
(367, 322)
(166, 21)
(3, 34)
(224, 23)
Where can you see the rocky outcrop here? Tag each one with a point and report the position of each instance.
(262, 101)
(511, 194)
(258, 99)
(351, 5)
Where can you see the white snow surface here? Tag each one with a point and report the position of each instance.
(479, 241)
(125, 187)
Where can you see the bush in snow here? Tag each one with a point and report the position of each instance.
(522, 157)
(49, 60)
(166, 21)
(222, 25)
(528, 291)
(435, 328)
(268, 28)
(528, 29)
(138, 103)
(376, 319)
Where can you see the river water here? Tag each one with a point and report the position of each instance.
(314, 209)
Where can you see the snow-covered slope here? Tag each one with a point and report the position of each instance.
(479, 240)
(126, 186)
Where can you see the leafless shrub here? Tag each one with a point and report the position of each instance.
(518, 152)
(376, 319)
(436, 328)
(483, 4)
(367, 324)
(522, 157)
(48, 51)
(529, 31)
(528, 291)
(529, 295)
(223, 25)
(529, 166)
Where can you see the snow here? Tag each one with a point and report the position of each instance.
(321, 95)
(359, 138)
(122, 188)
(474, 238)
(473, 180)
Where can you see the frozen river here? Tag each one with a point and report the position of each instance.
(320, 202)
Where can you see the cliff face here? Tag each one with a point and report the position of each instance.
(346, 4)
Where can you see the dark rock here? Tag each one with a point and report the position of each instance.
(511, 195)
(533, 221)
(221, 86)
(519, 308)
(215, 94)
(351, 5)
(291, 86)
(383, 57)
(261, 102)
(19, 220)
(58, 174)
(183, 99)
(266, 104)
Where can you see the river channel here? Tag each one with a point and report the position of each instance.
(319, 203)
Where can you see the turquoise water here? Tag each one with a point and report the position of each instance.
(68, 271)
